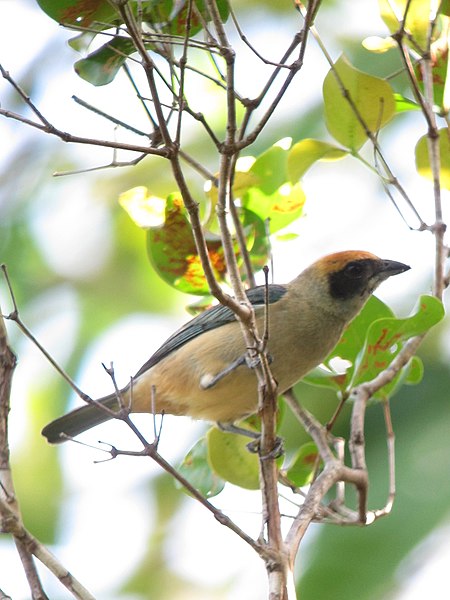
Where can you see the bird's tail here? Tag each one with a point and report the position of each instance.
(79, 420)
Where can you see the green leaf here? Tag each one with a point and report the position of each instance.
(230, 458)
(305, 153)
(82, 13)
(101, 67)
(81, 42)
(403, 104)
(423, 161)
(417, 19)
(384, 341)
(287, 237)
(372, 97)
(414, 373)
(301, 470)
(195, 468)
(411, 374)
(379, 45)
(270, 169)
(444, 8)
(173, 253)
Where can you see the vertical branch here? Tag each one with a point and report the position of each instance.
(390, 438)
(226, 159)
(426, 101)
(7, 492)
(435, 163)
(277, 567)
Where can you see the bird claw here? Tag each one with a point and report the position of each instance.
(278, 450)
(255, 445)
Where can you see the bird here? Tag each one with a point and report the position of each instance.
(201, 371)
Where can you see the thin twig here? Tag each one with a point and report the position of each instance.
(46, 127)
(114, 164)
(390, 439)
(183, 63)
(105, 115)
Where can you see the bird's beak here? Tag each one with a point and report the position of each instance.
(392, 267)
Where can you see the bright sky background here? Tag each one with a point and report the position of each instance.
(99, 491)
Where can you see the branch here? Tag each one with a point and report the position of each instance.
(11, 524)
(46, 127)
(360, 396)
(7, 366)
(151, 450)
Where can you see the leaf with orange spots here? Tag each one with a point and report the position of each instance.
(302, 467)
(172, 251)
(92, 16)
(166, 16)
(348, 347)
(83, 13)
(371, 342)
(385, 339)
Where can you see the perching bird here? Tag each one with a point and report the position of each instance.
(198, 371)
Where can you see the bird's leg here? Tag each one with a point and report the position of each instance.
(232, 428)
(208, 381)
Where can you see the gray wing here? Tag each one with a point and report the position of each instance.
(214, 317)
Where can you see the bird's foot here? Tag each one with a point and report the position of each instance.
(277, 451)
(255, 445)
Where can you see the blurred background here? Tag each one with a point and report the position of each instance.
(84, 286)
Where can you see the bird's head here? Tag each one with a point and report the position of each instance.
(345, 280)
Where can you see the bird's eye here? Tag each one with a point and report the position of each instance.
(354, 270)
